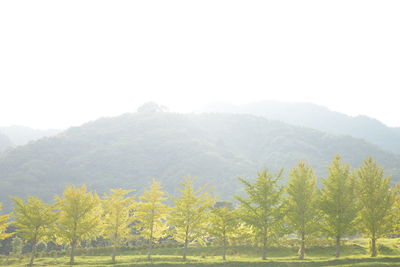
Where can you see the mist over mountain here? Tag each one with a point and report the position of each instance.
(21, 135)
(5, 142)
(127, 151)
(319, 118)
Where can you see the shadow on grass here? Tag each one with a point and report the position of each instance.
(169, 262)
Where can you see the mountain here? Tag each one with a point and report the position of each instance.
(319, 118)
(21, 135)
(5, 142)
(127, 151)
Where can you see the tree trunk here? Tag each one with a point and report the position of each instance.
(337, 246)
(115, 240)
(149, 252)
(373, 247)
(72, 255)
(224, 250)
(186, 242)
(185, 248)
(264, 248)
(114, 252)
(302, 247)
(33, 253)
(73, 245)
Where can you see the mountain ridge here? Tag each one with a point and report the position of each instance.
(320, 118)
(129, 150)
(22, 135)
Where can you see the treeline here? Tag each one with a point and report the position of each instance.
(349, 202)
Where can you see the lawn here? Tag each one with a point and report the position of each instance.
(354, 253)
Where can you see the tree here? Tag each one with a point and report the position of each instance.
(17, 245)
(33, 220)
(338, 201)
(79, 217)
(190, 213)
(244, 234)
(302, 203)
(376, 200)
(263, 207)
(152, 214)
(395, 229)
(223, 224)
(3, 225)
(118, 209)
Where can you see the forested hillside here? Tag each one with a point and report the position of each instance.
(319, 118)
(127, 151)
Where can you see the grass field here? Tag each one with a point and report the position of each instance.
(354, 253)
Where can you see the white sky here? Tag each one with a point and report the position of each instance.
(63, 63)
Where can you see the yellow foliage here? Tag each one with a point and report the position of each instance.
(79, 216)
(152, 212)
(3, 225)
(118, 209)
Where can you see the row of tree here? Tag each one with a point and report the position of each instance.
(348, 202)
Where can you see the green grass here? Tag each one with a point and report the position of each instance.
(125, 261)
(354, 253)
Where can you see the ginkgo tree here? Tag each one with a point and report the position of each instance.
(302, 213)
(338, 202)
(376, 200)
(395, 229)
(223, 224)
(262, 208)
(4, 223)
(34, 221)
(79, 217)
(118, 216)
(189, 216)
(151, 214)
(244, 234)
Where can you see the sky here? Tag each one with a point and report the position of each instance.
(63, 63)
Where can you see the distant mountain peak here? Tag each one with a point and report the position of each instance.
(320, 118)
(151, 107)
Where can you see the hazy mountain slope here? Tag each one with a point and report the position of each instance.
(129, 150)
(5, 142)
(319, 118)
(21, 135)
